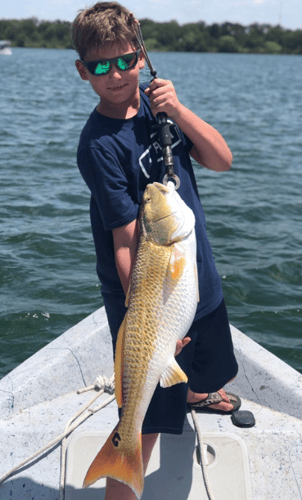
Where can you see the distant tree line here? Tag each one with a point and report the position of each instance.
(169, 36)
(225, 37)
(35, 33)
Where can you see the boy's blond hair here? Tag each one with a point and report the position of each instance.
(101, 25)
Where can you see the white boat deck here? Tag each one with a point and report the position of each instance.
(38, 398)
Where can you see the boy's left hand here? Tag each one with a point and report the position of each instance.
(163, 98)
(180, 344)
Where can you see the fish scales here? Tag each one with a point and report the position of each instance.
(162, 301)
(142, 323)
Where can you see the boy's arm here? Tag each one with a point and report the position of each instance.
(125, 240)
(210, 149)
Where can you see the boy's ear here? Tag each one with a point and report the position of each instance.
(141, 61)
(81, 69)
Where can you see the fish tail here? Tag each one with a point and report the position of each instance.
(117, 461)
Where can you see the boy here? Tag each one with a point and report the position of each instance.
(118, 155)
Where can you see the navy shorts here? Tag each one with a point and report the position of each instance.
(208, 360)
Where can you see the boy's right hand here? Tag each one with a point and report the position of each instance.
(163, 98)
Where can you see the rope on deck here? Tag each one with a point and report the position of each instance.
(203, 458)
(103, 385)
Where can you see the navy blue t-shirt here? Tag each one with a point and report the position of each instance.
(117, 159)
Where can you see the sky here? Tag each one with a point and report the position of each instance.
(288, 13)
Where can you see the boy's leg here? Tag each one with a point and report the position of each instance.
(195, 397)
(213, 362)
(117, 490)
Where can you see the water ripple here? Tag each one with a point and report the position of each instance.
(47, 258)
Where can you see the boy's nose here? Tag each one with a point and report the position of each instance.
(114, 72)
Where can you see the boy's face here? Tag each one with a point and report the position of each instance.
(118, 89)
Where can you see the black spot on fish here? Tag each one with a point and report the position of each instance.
(116, 438)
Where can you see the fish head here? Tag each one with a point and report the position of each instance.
(164, 216)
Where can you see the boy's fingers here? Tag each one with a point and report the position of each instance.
(159, 82)
(180, 344)
(156, 83)
(185, 341)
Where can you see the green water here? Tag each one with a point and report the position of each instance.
(254, 212)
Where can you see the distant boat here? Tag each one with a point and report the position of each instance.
(5, 49)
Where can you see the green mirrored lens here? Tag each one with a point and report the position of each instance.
(126, 62)
(121, 64)
(102, 68)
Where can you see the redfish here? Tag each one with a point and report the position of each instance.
(162, 301)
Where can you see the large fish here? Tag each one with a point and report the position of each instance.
(162, 301)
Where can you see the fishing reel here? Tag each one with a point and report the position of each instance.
(165, 139)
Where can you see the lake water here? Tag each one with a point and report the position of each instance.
(254, 211)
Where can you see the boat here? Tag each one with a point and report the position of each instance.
(39, 405)
(5, 49)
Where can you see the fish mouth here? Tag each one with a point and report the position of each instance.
(164, 217)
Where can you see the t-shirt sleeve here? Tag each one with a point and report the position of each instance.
(109, 187)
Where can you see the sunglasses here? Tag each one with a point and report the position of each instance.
(103, 66)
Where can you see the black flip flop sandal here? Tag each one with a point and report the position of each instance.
(214, 398)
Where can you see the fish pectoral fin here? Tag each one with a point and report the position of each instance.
(177, 262)
(173, 374)
(118, 461)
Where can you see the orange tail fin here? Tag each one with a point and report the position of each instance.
(118, 460)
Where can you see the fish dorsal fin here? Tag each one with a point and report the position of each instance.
(173, 374)
(128, 296)
(119, 363)
(127, 300)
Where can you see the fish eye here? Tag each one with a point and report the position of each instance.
(147, 200)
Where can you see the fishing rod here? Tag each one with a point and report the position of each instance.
(163, 127)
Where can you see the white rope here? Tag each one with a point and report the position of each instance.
(203, 457)
(103, 384)
(108, 386)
